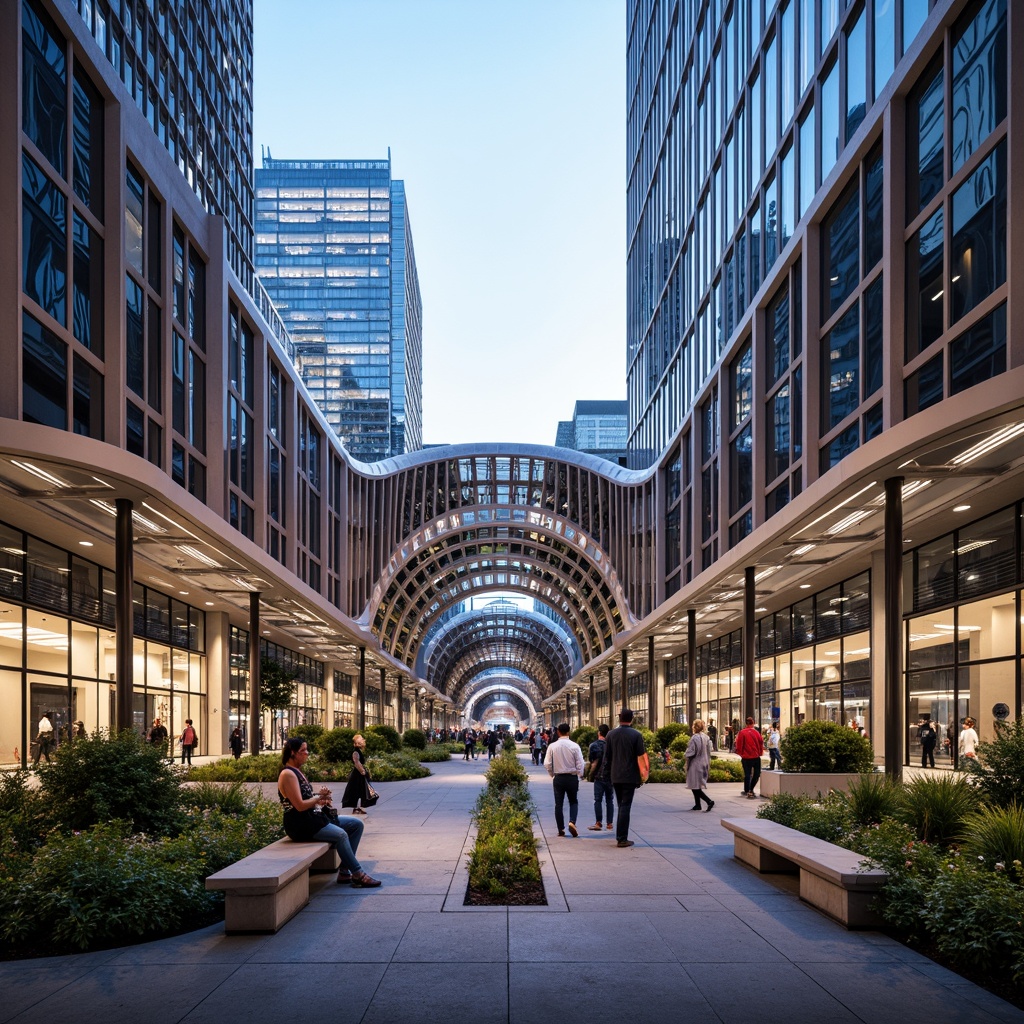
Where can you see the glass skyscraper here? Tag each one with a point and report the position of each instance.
(334, 251)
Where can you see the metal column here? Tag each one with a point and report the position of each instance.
(691, 665)
(400, 718)
(254, 673)
(361, 690)
(749, 602)
(652, 688)
(894, 628)
(124, 626)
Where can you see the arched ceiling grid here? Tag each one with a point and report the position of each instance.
(523, 629)
(472, 662)
(579, 581)
(497, 611)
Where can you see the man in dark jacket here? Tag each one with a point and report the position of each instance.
(628, 767)
(750, 747)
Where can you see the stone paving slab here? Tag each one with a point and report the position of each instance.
(673, 927)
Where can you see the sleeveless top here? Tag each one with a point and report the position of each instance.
(300, 825)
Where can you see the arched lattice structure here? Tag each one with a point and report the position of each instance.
(478, 704)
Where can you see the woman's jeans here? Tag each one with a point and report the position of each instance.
(345, 836)
(775, 758)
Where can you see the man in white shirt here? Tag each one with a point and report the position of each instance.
(564, 762)
(44, 739)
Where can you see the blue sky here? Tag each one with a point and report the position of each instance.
(506, 120)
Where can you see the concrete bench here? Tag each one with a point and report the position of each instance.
(269, 887)
(831, 878)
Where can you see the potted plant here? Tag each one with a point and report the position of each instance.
(817, 757)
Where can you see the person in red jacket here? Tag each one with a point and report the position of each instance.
(750, 747)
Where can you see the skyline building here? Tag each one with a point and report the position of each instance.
(188, 68)
(597, 428)
(334, 251)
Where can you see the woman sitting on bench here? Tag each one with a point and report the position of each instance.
(311, 818)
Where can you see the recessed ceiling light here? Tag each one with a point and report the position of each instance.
(184, 593)
(209, 604)
(85, 543)
(805, 586)
(961, 508)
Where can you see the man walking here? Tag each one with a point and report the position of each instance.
(603, 792)
(750, 747)
(628, 768)
(564, 762)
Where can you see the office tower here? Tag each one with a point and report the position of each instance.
(188, 67)
(334, 251)
(597, 428)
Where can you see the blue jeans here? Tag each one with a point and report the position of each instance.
(774, 758)
(603, 793)
(566, 785)
(345, 836)
(624, 792)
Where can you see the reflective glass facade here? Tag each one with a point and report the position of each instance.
(334, 251)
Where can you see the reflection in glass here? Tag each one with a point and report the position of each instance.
(856, 76)
(979, 353)
(925, 126)
(924, 388)
(841, 252)
(978, 254)
(924, 286)
(979, 79)
(841, 362)
(830, 121)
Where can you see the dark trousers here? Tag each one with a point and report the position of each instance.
(928, 754)
(567, 785)
(698, 795)
(751, 773)
(624, 795)
(603, 793)
(186, 753)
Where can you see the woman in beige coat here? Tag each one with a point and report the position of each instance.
(698, 762)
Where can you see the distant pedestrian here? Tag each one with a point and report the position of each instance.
(564, 763)
(157, 736)
(602, 780)
(189, 741)
(44, 739)
(774, 754)
(712, 734)
(235, 742)
(358, 786)
(750, 747)
(968, 742)
(927, 736)
(629, 767)
(698, 764)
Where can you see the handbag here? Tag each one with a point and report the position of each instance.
(330, 815)
(372, 796)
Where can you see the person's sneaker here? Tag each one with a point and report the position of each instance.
(624, 842)
(609, 826)
(596, 827)
(573, 830)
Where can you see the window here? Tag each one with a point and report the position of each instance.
(841, 355)
(44, 244)
(44, 86)
(44, 375)
(841, 251)
(925, 125)
(924, 285)
(979, 353)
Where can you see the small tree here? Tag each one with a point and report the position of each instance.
(277, 687)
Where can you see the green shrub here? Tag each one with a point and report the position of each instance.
(390, 736)
(725, 770)
(375, 743)
(25, 815)
(677, 748)
(669, 733)
(432, 754)
(937, 806)
(394, 768)
(100, 778)
(336, 745)
(232, 798)
(666, 775)
(506, 771)
(996, 835)
(310, 733)
(650, 742)
(827, 819)
(584, 735)
(253, 768)
(414, 738)
(509, 742)
(815, 746)
(999, 767)
(873, 798)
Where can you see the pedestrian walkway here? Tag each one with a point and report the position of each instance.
(671, 929)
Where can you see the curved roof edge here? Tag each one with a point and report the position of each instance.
(424, 456)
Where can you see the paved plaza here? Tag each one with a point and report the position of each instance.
(672, 929)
